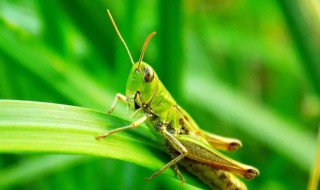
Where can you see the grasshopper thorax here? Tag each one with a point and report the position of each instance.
(142, 85)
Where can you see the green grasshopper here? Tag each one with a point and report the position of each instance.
(192, 148)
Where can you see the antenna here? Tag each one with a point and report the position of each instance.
(144, 47)
(116, 28)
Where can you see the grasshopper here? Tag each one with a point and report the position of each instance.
(192, 148)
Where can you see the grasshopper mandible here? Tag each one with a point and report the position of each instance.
(192, 148)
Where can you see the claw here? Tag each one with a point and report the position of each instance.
(98, 137)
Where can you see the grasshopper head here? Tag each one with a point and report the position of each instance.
(142, 84)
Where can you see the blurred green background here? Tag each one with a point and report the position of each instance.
(245, 69)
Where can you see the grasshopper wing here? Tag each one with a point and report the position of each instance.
(218, 142)
(222, 143)
(204, 153)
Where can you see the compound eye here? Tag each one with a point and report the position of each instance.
(148, 74)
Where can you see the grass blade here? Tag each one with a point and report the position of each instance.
(34, 127)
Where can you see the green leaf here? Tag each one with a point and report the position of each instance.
(53, 128)
(34, 127)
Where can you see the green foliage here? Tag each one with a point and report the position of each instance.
(32, 127)
(245, 69)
